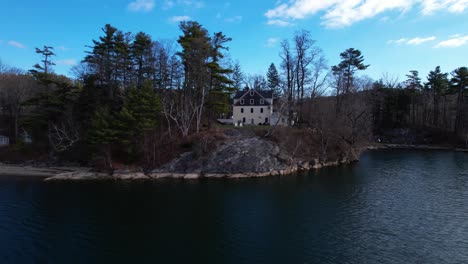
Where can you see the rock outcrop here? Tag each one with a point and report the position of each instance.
(240, 155)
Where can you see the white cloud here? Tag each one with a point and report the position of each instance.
(16, 44)
(414, 41)
(453, 42)
(397, 41)
(68, 62)
(62, 48)
(271, 42)
(279, 23)
(177, 19)
(168, 4)
(141, 5)
(453, 6)
(234, 19)
(419, 41)
(342, 13)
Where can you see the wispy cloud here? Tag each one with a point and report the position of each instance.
(453, 6)
(16, 44)
(279, 23)
(419, 41)
(67, 62)
(177, 19)
(141, 5)
(62, 48)
(342, 13)
(234, 19)
(397, 41)
(454, 41)
(168, 4)
(271, 42)
(413, 41)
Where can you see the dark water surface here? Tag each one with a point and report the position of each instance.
(392, 207)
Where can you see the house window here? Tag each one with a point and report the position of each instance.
(251, 110)
(266, 120)
(261, 110)
(262, 101)
(242, 110)
(242, 101)
(251, 93)
(251, 101)
(243, 120)
(252, 121)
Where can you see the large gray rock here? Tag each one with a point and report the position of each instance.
(238, 155)
(249, 155)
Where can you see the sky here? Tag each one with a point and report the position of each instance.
(394, 36)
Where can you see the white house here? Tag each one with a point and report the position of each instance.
(253, 107)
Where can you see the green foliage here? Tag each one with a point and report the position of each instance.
(459, 81)
(140, 110)
(437, 81)
(52, 106)
(139, 115)
(414, 81)
(351, 61)
(102, 130)
(237, 77)
(46, 53)
(273, 79)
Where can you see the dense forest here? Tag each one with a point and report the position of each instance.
(136, 100)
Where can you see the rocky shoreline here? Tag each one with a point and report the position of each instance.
(88, 175)
(236, 157)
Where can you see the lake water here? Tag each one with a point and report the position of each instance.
(394, 206)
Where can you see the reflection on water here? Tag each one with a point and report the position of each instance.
(392, 207)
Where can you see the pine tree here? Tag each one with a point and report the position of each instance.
(459, 86)
(102, 134)
(46, 53)
(238, 78)
(437, 82)
(273, 79)
(139, 115)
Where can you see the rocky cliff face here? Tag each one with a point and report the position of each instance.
(240, 152)
(235, 155)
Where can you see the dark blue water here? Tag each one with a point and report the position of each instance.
(392, 207)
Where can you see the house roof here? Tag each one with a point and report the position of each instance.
(258, 98)
(264, 94)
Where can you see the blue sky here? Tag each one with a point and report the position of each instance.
(395, 36)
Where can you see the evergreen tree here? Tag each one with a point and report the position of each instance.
(142, 54)
(351, 61)
(414, 84)
(102, 134)
(437, 82)
(413, 81)
(46, 53)
(220, 84)
(139, 115)
(238, 77)
(459, 86)
(273, 79)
